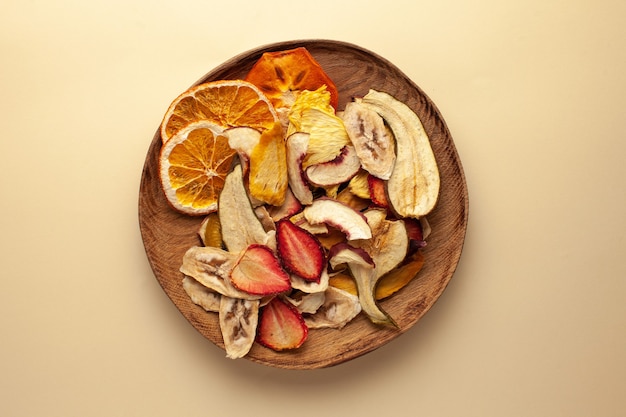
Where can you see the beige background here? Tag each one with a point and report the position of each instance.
(532, 324)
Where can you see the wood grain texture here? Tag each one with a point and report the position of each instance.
(167, 234)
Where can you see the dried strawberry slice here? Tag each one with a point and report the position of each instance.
(300, 251)
(258, 272)
(377, 191)
(279, 74)
(281, 326)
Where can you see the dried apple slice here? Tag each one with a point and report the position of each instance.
(297, 145)
(281, 326)
(340, 216)
(339, 170)
(282, 75)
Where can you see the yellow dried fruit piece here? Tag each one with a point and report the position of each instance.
(359, 186)
(268, 178)
(389, 284)
(399, 277)
(211, 231)
(313, 114)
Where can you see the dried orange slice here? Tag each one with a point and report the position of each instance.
(225, 103)
(193, 165)
(282, 74)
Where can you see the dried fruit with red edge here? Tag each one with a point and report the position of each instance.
(282, 74)
(377, 191)
(300, 251)
(281, 326)
(258, 272)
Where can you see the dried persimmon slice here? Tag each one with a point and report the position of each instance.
(281, 75)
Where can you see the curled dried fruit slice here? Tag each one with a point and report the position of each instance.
(388, 248)
(297, 145)
(339, 170)
(258, 272)
(338, 309)
(282, 75)
(300, 251)
(281, 326)
(340, 216)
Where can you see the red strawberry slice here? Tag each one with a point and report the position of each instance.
(377, 191)
(300, 251)
(281, 326)
(258, 272)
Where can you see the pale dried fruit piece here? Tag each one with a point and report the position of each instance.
(342, 253)
(339, 170)
(238, 323)
(212, 268)
(374, 144)
(388, 248)
(297, 145)
(267, 180)
(243, 140)
(201, 295)
(327, 135)
(240, 225)
(290, 207)
(413, 186)
(258, 272)
(315, 229)
(339, 308)
(307, 303)
(310, 287)
(281, 326)
(340, 216)
(300, 252)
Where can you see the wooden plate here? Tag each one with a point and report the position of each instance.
(167, 234)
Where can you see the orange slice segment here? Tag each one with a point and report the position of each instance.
(193, 165)
(282, 75)
(225, 103)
